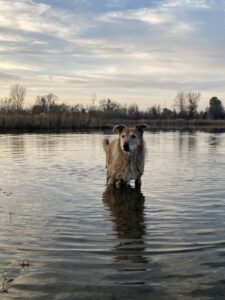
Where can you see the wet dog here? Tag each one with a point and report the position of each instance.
(125, 155)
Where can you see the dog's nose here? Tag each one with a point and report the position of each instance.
(126, 147)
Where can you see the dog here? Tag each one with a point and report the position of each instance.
(125, 156)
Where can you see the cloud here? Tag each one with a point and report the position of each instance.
(192, 4)
(181, 28)
(11, 37)
(117, 49)
(29, 16)
(162, 18)
(8, 77)
(17, 66)
(148, 15)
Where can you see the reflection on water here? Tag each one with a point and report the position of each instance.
(127, 213)
(64, 235)
(214, 141)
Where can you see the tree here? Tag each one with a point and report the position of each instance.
(192, 103)
(45, 104)
(216, 109)
(6, 105)
(109, 106)
(93, 100)
(180, 102)
(154, 112)
(77, 108)
(51, 99)
(187, 103)
(17, 95)
(133, 111)
(168, 113)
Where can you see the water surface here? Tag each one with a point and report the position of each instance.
(63, 235)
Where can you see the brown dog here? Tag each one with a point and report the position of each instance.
(125, 155)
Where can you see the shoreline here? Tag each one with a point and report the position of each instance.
(107, 125)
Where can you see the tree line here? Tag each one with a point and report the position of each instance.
(185, 107)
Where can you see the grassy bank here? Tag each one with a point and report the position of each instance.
(70, 122)
(186, 124)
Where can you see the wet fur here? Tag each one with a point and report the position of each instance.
(123, 166)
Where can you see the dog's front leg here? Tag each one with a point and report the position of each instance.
(110, 181)
(138, 183)
(119, 184)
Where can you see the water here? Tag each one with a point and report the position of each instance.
(64, 236)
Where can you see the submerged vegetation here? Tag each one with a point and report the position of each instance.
(47, 113)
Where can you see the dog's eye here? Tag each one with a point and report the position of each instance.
(123, 136)
(133, 136)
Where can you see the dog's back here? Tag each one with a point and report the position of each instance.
(105, 144)
(110, 151)
(106, 147)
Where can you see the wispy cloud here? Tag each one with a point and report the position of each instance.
(29, 16)
(10, 37)
(193, 4)
(163, 18)
(151, 16)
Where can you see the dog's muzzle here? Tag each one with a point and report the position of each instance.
(126, 147)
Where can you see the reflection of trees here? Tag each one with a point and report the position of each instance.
(126, 206)
(49, 142)
(214, 141)
(17, 145)
(187, 140)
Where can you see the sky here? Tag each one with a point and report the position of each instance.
(131, 51)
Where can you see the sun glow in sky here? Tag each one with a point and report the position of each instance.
(133, 51)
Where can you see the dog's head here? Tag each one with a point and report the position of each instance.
(130, 138)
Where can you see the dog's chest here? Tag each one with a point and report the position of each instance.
(133, 170)
(126, 166)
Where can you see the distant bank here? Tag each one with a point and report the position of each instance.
(72, 122)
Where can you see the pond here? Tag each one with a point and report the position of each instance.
(64, 236)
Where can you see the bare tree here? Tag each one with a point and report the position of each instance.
(17, 95)
(6, 105)
(187, 103)
(45, 103)
(133, 111)
(51, 99)
(192, 99)
(180, 103)
(93, 100)
(154, 112)
(109, 106)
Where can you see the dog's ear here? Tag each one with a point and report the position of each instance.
(119, 128)
(141, 126)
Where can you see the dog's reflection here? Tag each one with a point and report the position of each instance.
(127, 210)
